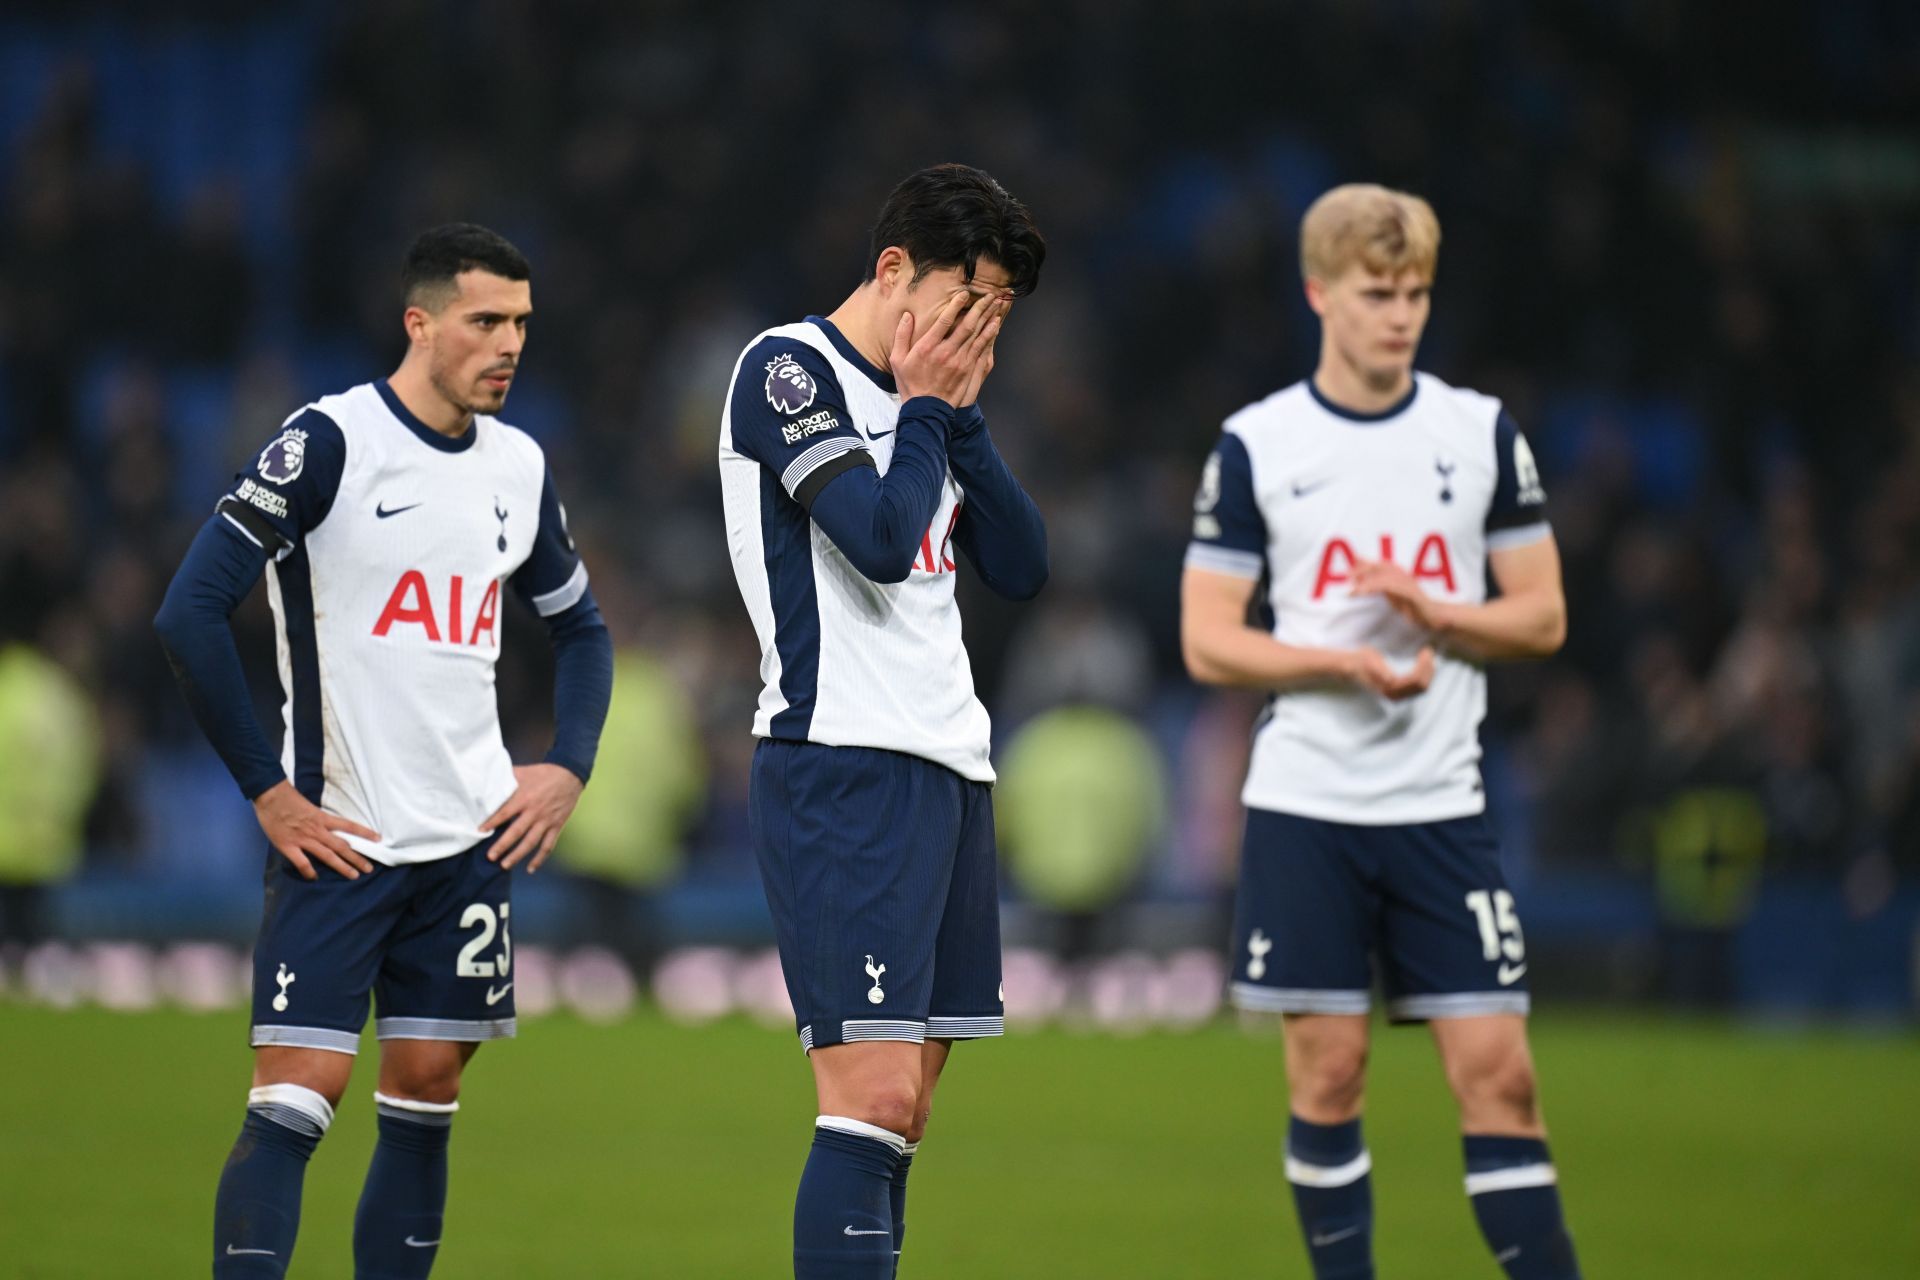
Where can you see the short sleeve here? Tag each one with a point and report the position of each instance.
(553, 577)
(788, 413)
(1518, 513)
(289, 487)
(1229, 533)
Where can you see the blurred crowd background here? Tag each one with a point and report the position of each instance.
(1686, 252)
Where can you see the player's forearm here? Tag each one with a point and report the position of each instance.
(1001, 531)
(218, 571)
(1533, 625)
(582, 685)
(877, 521)
(1242, 657)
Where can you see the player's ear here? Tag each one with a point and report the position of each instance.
(1317, 295)
(418, 324)
(892, 268)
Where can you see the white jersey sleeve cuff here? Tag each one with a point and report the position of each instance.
(1235, 564)
(564, 596)
(1519, 536)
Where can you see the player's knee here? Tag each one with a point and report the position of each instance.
(1499, 1086)
(421, 1082)
(1329, 1078)
(922, 1112)
(892, 1103)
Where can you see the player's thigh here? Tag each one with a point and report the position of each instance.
(1304, 917)
(856, 850)
(318, 955)
(1451, 941)
(968, 1001)
(447, 974)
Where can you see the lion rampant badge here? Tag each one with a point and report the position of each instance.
(790, 388)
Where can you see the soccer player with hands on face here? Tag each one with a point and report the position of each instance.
(855, 464)
(386, 520)
(1365, 507)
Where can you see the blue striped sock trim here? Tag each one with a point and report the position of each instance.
(289, 1118)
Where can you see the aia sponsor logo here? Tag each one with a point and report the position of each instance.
(1432, 563)
(941, 561)
(411, 604)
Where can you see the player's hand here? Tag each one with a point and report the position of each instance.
(302, 831)
(530, 821)
(1370, 669)
(985, 364)
(940, 362)
(1387, 579)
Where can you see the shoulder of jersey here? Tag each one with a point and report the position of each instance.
(786, 336)
(1270, 413)
(513, 437)
(1474, 404)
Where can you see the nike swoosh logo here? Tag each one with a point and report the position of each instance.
(875, 435)
(381, 511)
(1321, 1242)
(421, 1244)
(1510, 974)
(1302, 490)
(235, 1253)
(495, 997)
(852, 1232)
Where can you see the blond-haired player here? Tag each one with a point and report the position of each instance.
(1373, 501)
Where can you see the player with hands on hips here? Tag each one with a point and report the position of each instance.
(387, 520)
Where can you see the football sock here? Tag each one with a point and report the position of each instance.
(1329, 1168)
(396, 1229)
(1511, 1183)
(899, 1201)
(256, 1213)
(843, 1216)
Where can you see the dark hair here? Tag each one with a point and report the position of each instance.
(953, 215)
(438, 256)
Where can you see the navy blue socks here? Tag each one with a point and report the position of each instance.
(396, 1229)
(1329, 1168)
(1511, 1182)
(843, 1217)
(256, 1213)
(899, 1200)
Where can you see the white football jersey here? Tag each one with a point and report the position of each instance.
(1297, 493)
(845, 661)
(390, 545)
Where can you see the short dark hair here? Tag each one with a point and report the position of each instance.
(953, 215)
(439, 254)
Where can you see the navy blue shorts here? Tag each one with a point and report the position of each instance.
(429, 940)
(880, 870)
(1321, 903)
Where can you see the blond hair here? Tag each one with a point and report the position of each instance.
(1385, 231)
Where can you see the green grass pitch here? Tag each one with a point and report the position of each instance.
(1687, 1150)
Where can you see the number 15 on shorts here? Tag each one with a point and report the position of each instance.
(1500, 936)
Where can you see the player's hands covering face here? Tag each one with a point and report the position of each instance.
(945, 360)
(304, 833)
(530, 821)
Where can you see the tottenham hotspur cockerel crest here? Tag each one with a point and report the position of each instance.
(790, 388)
